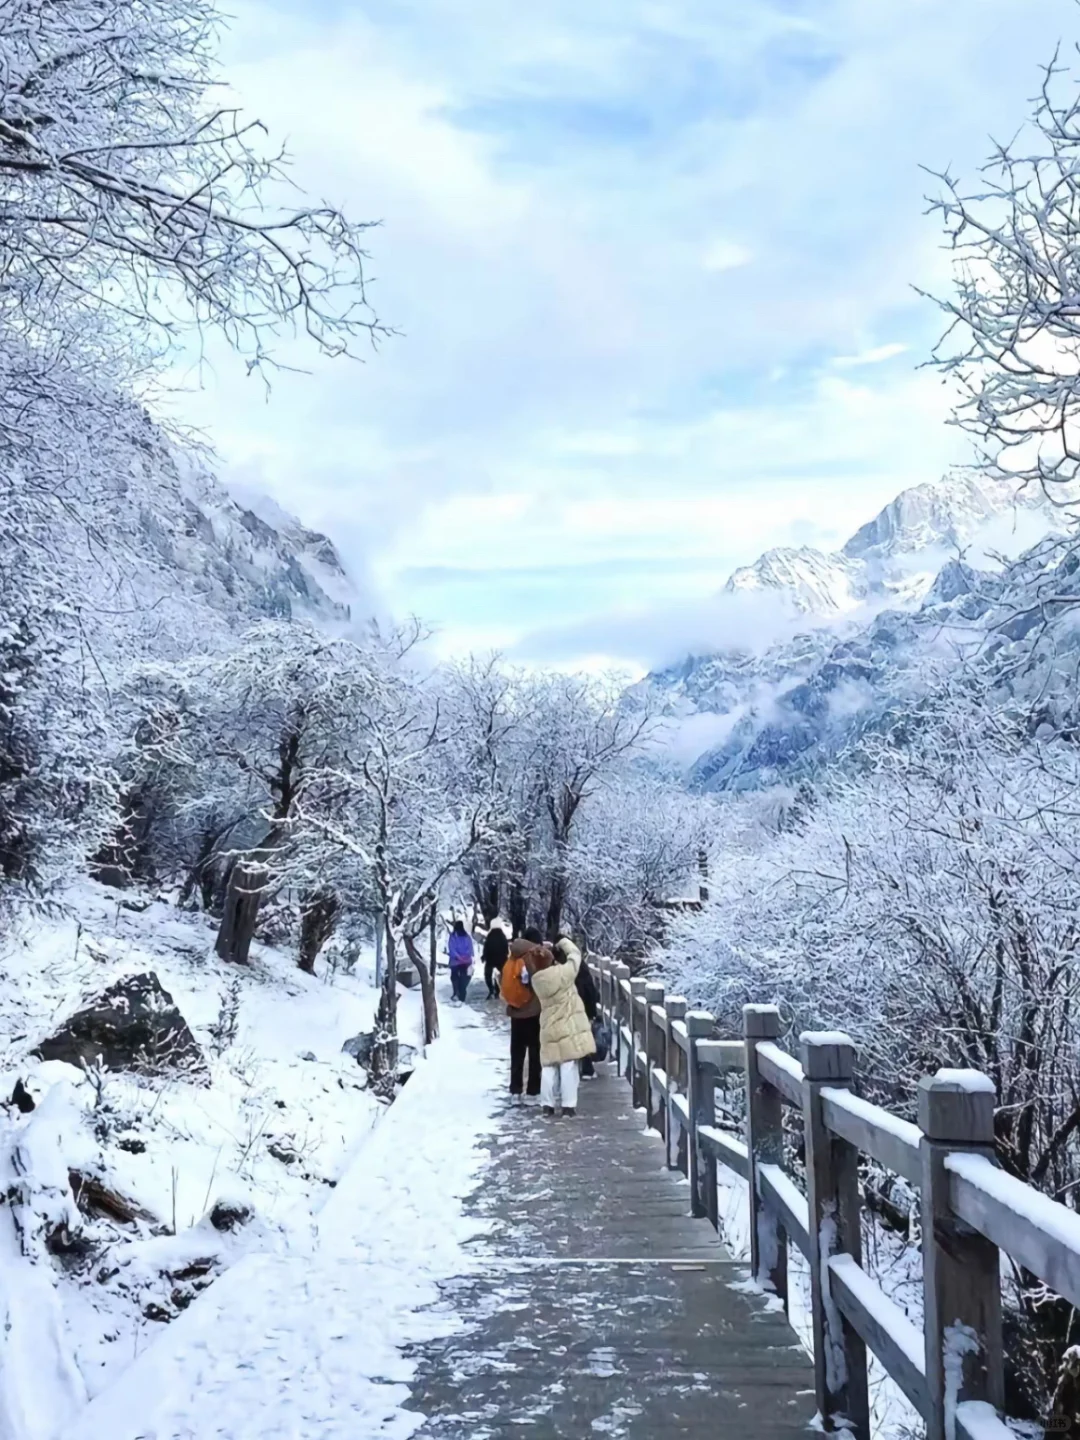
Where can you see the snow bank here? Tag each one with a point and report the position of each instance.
(269, 1137)
(313, 1345)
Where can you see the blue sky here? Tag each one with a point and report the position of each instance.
(652, 262)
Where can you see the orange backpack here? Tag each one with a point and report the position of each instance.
(510, 987)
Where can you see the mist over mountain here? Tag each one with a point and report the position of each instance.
(899, 601)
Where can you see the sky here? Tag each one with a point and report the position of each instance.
(653, 267)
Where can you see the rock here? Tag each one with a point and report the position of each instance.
(229, 1215)
(308, 1055)
(21, 1098)
(133, 1025)
(360, 1047)
(157, 1312)
(282, 1150)
(132, 1145)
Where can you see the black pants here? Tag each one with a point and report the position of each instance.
(459, 981)
(525, 1040)
(493, 975)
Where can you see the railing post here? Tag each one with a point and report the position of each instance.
(832, 1185)
(607, 995)
(961, 1269)
(675, 1009)
(638, 1078)
(701, 1101)
(620, 973)
(764, 1146)
(654, 995)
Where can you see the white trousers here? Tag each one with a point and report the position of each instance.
(559, 1083)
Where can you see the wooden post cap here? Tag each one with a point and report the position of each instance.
(827, 1055)
(957, 1106)
(761, 1022)
(675, 1006)
(699, 1023)
(654, 992)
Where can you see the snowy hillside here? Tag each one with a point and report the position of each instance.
(138, 1189)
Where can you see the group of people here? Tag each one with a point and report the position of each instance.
(554, 1010)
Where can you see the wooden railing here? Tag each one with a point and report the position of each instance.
(971, 1212)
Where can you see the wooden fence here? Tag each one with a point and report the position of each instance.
(971, 1211)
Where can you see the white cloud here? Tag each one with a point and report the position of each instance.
(584, 368)
(726, 255)
(874, 356)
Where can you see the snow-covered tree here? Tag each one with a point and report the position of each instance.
(391, 809)
(135, 201)
(639, 840)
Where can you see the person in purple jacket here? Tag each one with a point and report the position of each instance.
(460, 950)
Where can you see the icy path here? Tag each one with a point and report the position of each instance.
(311, 1343)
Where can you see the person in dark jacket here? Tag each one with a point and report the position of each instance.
(590, 998)
(494, 955)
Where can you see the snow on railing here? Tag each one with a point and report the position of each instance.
(971, 1212)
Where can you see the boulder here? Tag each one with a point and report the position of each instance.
(360, 1047)
(229, 1215)
(133, 1025)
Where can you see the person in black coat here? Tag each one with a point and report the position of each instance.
(496, 949)
(586, 988)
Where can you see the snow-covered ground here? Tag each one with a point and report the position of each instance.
(272, 1132)
(310, 1340)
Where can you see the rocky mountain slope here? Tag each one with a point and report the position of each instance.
(170, 559)
(871, 623)
(894, 557)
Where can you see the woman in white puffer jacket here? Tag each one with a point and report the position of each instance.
(566, 1036)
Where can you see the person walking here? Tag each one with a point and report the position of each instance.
(565, 1033)
(494, 955)
(461, 951)
(523, 1008)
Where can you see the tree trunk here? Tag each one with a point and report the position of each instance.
(384, 1053)
(247, 882)
(427, 992)
(319, 912)
(198, 877)
(556, 900)
(519, 909)
(433, 938)
(486, 894)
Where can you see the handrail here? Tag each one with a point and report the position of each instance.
(781, 1070)
(972, 1213)
(891, 1141)
(1039, 1233)
(721, 1055)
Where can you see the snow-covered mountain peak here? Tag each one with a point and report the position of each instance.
(944, 514)
(815, 583)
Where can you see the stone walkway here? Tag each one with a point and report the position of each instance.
(597, 1306)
